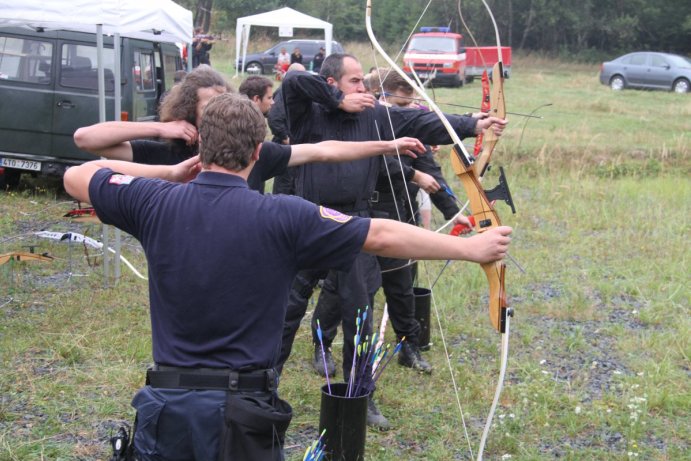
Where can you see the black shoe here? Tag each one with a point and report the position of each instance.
(374, 417)
(409, 356)
(318, 361)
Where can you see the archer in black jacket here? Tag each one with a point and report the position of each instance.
(335, 106)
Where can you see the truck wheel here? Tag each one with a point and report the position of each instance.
(469, 78)
(10, 179)
(457, 81)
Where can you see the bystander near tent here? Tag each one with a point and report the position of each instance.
(283, 17)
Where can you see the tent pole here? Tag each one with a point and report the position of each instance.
(117, 105)
(102, 118)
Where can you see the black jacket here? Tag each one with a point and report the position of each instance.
(313, 115)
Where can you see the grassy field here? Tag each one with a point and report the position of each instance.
(599, 355)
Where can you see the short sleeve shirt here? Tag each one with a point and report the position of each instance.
(222, 259)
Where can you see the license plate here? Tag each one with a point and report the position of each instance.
(423, 74)
(20, 164)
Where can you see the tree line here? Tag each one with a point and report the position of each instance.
(586, 28)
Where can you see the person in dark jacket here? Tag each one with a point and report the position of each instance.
(201, 48)
(335, 105)
(395, 198)
(296, 56)
(284, 183)
(216, 315)
(318, 60)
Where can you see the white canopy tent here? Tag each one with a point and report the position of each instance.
(283, 17)
(156, 20)
(160, 20)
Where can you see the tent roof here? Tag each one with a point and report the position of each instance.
(161, 20)
(285, 17)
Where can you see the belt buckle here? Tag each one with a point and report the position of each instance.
(271, 384)
(234, 381)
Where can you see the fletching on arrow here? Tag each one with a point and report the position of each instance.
(82, 215)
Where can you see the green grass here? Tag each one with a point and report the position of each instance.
(599, 354)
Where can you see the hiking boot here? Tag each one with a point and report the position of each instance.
(318, 361)
(374, 417)
(409, 356)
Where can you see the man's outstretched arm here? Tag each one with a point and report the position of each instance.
(77, 178)
(390, 238)
(112, 139)
(345, 151)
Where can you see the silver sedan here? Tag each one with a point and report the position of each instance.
(648, 70)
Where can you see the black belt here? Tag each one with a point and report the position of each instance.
(348, 208)
(212, 379)
(356, 206)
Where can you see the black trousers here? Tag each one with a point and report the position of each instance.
(328, 312)
(285, 183)
(400, 300)
(209, 425)
(355, 291)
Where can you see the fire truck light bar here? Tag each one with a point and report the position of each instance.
(436, 29)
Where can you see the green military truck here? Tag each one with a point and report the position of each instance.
(49, 88)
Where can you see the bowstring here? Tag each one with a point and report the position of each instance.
(398, 153)
(470, 34)
(436, 309)
(449, 365)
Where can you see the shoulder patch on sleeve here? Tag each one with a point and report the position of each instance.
(120, 179)
(334, 215)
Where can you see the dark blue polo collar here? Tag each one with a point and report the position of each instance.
(213, 178)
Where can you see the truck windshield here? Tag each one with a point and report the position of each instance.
(433, 44)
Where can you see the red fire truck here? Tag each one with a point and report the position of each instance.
(438, 54)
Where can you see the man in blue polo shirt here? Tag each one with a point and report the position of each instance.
(222, 259)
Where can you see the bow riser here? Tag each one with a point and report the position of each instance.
(485, 218)
(480, 206)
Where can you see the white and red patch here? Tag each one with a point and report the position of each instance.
(120, 179)
(334, 215)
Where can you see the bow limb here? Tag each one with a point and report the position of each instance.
(24, 256)
(416, 87)
(497, 102)
(485, 106)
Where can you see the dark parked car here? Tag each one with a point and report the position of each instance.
(264, 62)
(648, 70)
